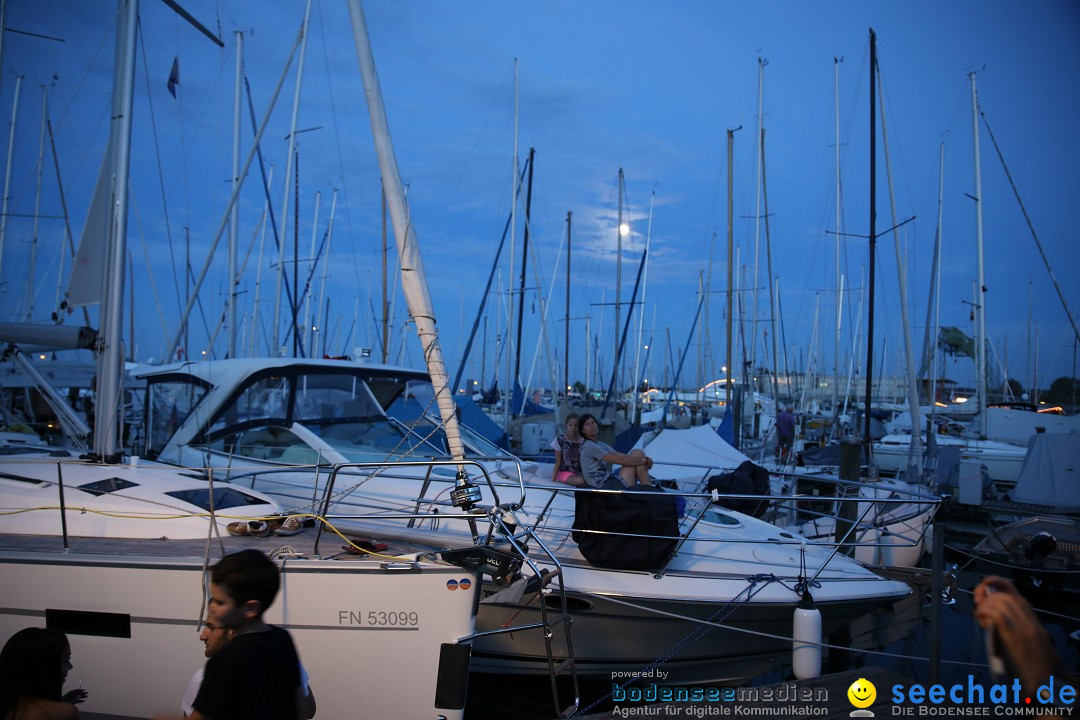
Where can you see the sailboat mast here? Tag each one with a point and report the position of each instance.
(772, 288)
(901, 269)
(289, 155)
(413, 277)
(566, 317)
(524, 265)
(385, 302)
(873, 243)
(234, 221)
(110, 348)
(730, 263)
(508, 387)
(757, 234)
(980, 285)
(7, 170)
(641, 316)
(839, 230)
(37, 206)
(618, 258)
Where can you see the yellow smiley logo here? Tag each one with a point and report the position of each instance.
(862, 693)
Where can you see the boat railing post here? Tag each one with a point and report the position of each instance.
(937, 568)
(850, 453)
(63, 507)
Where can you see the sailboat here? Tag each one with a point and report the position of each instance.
(1002, 460)
(122, 601)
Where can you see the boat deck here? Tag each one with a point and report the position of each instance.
(330, 546)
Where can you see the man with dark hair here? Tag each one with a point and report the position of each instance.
(256, 674)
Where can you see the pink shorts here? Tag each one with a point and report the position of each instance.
(564, 476)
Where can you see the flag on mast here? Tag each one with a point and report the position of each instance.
(174, 75)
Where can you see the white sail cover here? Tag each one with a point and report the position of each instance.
(1051, 472)
(699, 447)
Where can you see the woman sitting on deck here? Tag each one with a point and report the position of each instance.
(598, 457)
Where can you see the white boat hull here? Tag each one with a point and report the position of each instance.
(135, 638)
(1002, 460)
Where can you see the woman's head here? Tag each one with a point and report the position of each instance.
(588, 426)
(33, 664)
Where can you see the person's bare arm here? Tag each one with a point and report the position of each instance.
(999, 605)
(619, 458)
(558, 465)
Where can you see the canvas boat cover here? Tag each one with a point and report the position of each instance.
(695, 449)
(1051, 472)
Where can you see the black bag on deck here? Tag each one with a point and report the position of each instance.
(626, 512)
(747, 479)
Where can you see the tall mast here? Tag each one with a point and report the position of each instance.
(839, 230)
(768, 256)
(110, 347)
(37, 205)
(508, 387)
(524, 264)
(234, 222)
(641, 314)
(730, 264)
(385, 303)
(980, 284)
(288, 171)
(901, 268)
(7, 171)
(322, 286)
(618, 259)
(566, 322)
(757, 232)
(937, 265)
(873, 243)
(413, 277)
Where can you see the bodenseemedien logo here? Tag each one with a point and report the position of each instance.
(862, 695)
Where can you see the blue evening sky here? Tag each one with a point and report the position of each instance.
(650, 87)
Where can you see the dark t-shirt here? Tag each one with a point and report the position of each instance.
(785, 424)
(255, 676)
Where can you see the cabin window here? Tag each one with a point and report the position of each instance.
(168, 405)
(264, 399)
(108, 485)
(224, 498)
(320, 397)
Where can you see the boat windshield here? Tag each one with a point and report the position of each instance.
(420, 413)
(169, 402)
(372, 439)
(339, 409)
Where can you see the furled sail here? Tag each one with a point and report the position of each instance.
(88, 271)
(413, 278)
